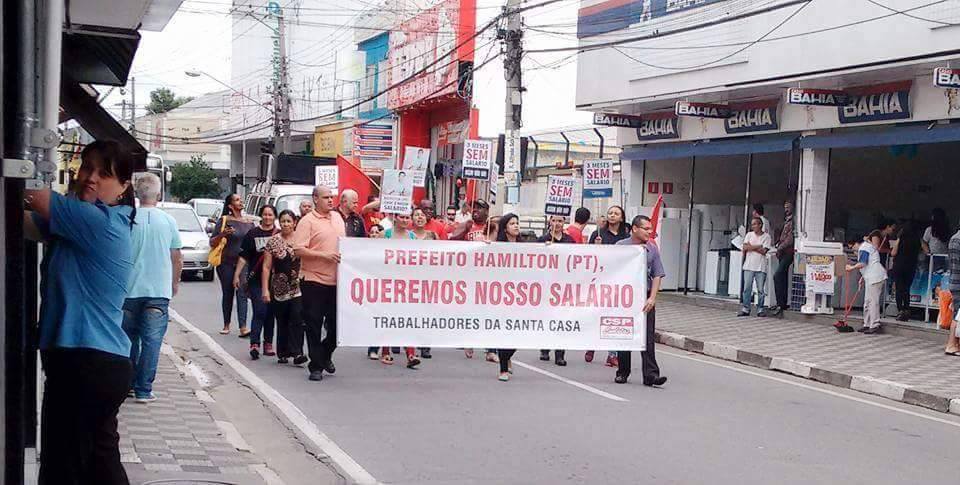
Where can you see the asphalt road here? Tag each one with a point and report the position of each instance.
(713, 423)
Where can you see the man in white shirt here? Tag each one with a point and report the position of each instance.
(755, 246)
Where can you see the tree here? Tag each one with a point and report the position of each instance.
(163, 100)
(194, 179)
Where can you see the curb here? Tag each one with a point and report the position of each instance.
(866, 384)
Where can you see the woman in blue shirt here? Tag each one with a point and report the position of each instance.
(83, 348)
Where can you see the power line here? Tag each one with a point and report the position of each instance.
(906, 14)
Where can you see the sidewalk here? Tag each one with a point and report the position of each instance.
(909, 370)
(177, 436)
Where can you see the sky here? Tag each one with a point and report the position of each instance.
(200, 36)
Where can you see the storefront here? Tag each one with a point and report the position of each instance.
(851, 159)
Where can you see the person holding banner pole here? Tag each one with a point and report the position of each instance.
(475, 229)
(508, 231)
(315, 241)
(611, 229)
(556, 234)
(641, 229)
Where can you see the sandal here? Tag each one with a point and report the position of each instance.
(225, 331)
(386, 359)
(412, 363)
(244, 334)
(504, 377)
(955, 354)
(468, 353)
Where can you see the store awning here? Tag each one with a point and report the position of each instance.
(80, 104)
(707, 148)
(888, 136)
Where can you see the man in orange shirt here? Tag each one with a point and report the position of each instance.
(580, 219)
(316, 243)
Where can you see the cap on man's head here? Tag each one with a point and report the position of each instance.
(481, 204)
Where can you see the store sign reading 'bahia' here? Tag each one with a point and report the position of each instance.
(877, 103)
(751, 117)
(659, 126)
(944, 77)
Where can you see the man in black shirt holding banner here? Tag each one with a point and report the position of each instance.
(640, 231)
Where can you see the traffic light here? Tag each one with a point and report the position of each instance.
(267, 147)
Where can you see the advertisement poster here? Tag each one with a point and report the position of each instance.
(326, 175)
(491, 295)
(820, 274)
(597, 178)
(416, 160)
(373, 144)
(396, 192)
(477, 159)
(559, 196)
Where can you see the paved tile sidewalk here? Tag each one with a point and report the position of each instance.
(905, 369)
(176, 437)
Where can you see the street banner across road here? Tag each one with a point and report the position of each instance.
(490, 295)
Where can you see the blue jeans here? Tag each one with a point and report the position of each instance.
(145, 322)
(262, 317)
(746, 298)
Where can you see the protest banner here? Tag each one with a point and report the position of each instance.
(559, 195)
(415, 161)
(396, 192)
(326, 176)
(477, 159)
(490, 295)
(597, 178)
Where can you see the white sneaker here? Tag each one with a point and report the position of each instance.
(145, 400)
(373, 355)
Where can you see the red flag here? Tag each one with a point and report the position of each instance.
(350, 176)
(655, 217)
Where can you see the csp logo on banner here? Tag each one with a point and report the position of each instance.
(616, 328)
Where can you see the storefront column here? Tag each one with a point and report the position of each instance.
(811, 205)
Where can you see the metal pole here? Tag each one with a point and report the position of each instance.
(243, 156)
(686, 276)
(746, 212)
(50, 113)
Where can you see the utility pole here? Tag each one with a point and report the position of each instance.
(512, 37)
(133, 106)
(283, 108)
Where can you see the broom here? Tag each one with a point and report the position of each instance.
(841, 324)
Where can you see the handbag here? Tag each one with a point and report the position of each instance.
(215, 257)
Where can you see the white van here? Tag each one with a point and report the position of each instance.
(280, 195)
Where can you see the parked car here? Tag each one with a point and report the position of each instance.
(196, 241)
(280, 195)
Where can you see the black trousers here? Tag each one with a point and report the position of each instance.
(902, 280)
(781, 280)
(82, 394)
(505, 356)
(319, 312)
(289, 316)
(648, 358)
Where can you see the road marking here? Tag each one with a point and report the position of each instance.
(817, 389)
(347, 465)
(573, 383)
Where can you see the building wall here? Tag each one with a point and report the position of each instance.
(374, 80)
(774, 61)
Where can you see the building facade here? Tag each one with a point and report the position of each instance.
(831, 105)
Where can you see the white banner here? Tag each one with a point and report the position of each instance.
(597, 178)
(477, 159)
(559, 195)
(416, 160)
(491, 295)
(326, 175)
(396, 192)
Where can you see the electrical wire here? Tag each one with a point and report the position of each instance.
(906, 14)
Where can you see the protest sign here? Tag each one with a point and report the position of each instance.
(396, 192)
(597, 178)
(491, 295)
(416, 161)
(477, 159)
(326, 176)
(820, 274)
(559, 195)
